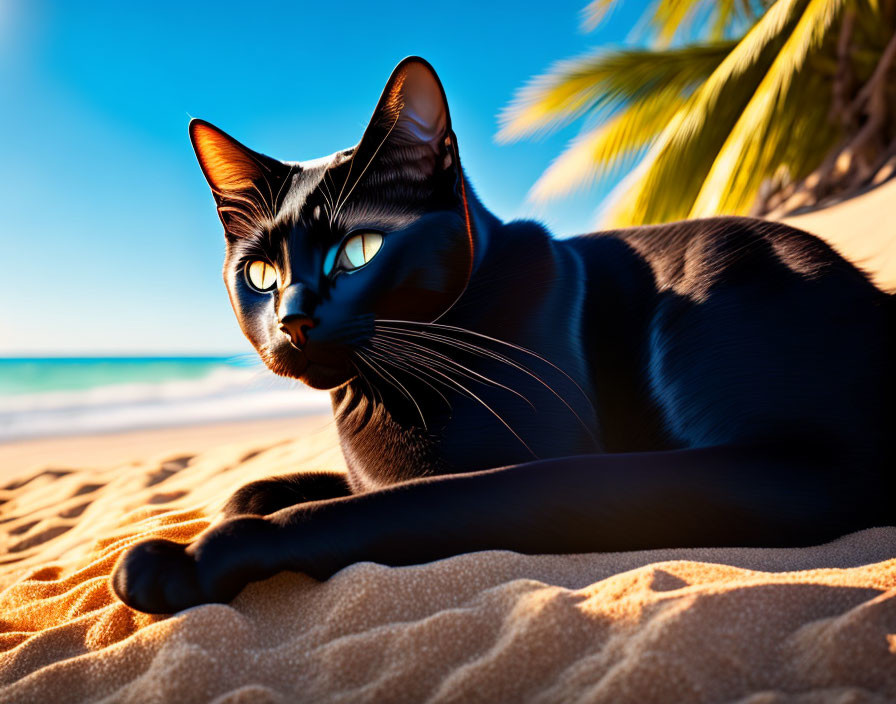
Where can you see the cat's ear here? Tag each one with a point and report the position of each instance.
(411, 123)
(235, 173)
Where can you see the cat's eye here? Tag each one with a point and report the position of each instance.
(356, 251)
(261, 275)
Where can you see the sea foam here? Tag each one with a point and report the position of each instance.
(226, 393)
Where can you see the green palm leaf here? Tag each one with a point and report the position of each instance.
(744, 159)
(602, 83)
(670, 18)
(638, 116)
(689, 143)
(801, 107)
(610, 147)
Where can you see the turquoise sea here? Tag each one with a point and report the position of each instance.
(38, 374)
(43, 396)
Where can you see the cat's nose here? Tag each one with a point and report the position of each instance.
(296, 327)
(297, 303)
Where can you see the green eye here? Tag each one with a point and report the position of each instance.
(360, 249)
(262, 276)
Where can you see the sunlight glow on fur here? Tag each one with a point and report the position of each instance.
(227, 167)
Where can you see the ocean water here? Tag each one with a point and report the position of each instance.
(79, 395)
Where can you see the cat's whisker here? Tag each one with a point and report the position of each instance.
(496, 340)
(330, 189)
(376, 395)
(248, 208)
(449, 363)
(380, 368)
(472, 395)
(326, 193)
(282, 185)
(482, 351)
(394, 382)
(252, 217)
(269, 215)
(409, 356)
(396, 362)
(341, 203)
(351, 165)
(458, 344)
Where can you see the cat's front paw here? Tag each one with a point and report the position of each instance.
(158, 577)
(161, 577)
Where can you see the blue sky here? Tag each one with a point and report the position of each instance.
(108, 230)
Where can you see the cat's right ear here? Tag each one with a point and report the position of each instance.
(411, 127)
(244, 182)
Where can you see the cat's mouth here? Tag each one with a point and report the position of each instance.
(323, 374)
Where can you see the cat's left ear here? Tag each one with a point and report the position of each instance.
(245, 184)
(411, 125)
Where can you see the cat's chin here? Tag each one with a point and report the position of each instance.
(324, 378)
(317, 376)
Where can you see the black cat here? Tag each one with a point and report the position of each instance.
(722, 382)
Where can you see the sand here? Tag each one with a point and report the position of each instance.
(757, 626)
(863, 229)
(703, 625)
(18, 459)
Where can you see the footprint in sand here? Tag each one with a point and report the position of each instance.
(24, 532)
(22, 528)
(54, 529)
(51, 473)
(87, 489)
(164, 497)
(74, 511)
(167, 469)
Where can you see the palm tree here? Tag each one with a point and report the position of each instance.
(772, 105)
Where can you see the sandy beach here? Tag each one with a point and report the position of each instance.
(699, 625)
(862, 229)
(18, 459)
(702, 625)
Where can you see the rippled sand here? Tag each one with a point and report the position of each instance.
(815, 624)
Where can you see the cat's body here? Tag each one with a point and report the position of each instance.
(541, 309)
(671, 341)
(716, 382)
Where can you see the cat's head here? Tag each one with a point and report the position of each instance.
(318, 250)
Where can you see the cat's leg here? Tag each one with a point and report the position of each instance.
(272, 494)
(723, 496)
(259, 498)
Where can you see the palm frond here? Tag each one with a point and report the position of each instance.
(595, 12)
(727, 10)
(799, 110)
(743, 161)
(693, 138)
(671, 18)
(602, 83)
(610, 147)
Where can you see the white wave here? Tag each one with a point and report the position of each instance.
(225, 394)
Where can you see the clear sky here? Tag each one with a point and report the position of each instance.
(108, 231)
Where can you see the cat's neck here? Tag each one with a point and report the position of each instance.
(482, 223)
(512, 343)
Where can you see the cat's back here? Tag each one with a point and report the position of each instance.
(690, 257)
(749, 330)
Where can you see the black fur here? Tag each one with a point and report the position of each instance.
(717, 382)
